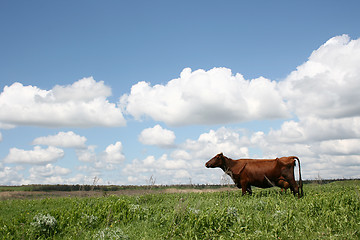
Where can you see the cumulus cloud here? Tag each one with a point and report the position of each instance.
(86, 155)
(328, 84)
(213, 142)
(312, 129)
(85, 89)
(113, 153)
(157, 136)
(163, 170)
(206, 97)
(82, 104)
(10, 175)
(104, 160)
(36, 156)
(164, 163)
(47, 171)
(62, 139)
(340, 147)
(6, 126)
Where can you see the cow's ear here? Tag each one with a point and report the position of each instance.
(221, 154)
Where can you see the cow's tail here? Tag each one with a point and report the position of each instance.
(300, 180)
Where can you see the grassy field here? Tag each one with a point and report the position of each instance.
(328, 211)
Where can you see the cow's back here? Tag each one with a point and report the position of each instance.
(287, 160)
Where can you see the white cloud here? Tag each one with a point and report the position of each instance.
(180, 154)
(81, 179)
(47, 171)
(85, 89)
(36, 156)
(86, 155)
(206, 97)
(10, 175)
(113, 153)
(222, 140)
(340, 147)
(328, 84)
(163, 170)
(82, 104)
(312, 129)
(62, 139)
(107, 160)
(6, 126)
(89, 170)
(157, 136)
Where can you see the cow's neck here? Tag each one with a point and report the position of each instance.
(227, 165)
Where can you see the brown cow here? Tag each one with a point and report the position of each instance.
(263, 173)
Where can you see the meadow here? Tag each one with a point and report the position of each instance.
(327, 211)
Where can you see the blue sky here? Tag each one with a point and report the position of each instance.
(123, 91)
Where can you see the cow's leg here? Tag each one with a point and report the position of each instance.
(249, 189)
(288, 174)
(293, 185)
(243, 189)
(244, 186)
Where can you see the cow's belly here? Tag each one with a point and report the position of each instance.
(261, 184)
(262, 181)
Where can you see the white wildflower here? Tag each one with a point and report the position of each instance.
(110, 233)
(44, 222)
(232, 211)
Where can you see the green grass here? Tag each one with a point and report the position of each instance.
(330, 211)
(15, 188)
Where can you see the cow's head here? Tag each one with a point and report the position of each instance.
(216, 161)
